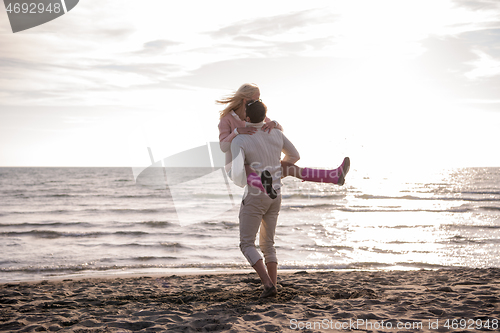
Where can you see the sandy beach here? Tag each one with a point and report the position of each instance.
(394, 301)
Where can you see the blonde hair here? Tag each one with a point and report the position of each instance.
(234, 101)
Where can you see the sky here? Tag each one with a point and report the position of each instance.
(393, 84)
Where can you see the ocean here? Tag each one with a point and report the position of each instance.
(66, 222)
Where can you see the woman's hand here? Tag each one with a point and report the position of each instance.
(268, 126)
(246, 130)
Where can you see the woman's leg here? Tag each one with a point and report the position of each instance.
(249, 169)
(253, 179)
(289, 169)
(334, 176)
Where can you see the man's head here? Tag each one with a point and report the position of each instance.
(256, 111)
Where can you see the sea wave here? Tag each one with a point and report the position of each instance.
(58, 234)
(460, 209)
(99, 267)
(432, 198)
(157, 224)
(47, 224)
(470, 226)
(155, 245)
(94, 210)
(314, 196)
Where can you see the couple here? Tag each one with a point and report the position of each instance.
(246, 133)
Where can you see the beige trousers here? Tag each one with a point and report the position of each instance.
(258, 210)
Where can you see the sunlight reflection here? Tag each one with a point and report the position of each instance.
(398, 221)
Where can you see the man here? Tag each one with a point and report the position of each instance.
(262, 151)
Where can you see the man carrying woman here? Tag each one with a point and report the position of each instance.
(260, 151)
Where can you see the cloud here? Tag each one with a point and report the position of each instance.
(462, 67)
(293, 70)
(291, 45)
(9, 63)
(83, 27)
(485, 40)
(157, 46)
(255, 48)
(151, 70)
(486, 66)
(478, 4)
(274, 25)
(26, 82)
(483, 78)
(96, 53)
(447, 55)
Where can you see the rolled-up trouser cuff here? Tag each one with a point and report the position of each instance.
(251, 253)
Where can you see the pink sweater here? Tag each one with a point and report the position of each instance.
(226, 132)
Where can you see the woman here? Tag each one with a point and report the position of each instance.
(232, 123)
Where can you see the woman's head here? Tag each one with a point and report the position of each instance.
(256, 111)
(245, 93)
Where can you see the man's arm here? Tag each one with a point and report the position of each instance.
(291, 153)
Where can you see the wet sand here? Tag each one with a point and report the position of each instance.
(459, 300)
